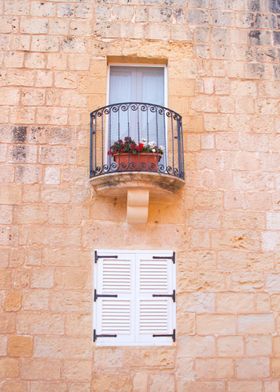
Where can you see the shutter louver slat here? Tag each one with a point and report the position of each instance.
(153, 316)
(116, 276)
(153, 275)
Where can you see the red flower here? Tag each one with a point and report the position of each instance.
(140, 147)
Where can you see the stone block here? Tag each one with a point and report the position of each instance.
(204, 219)
(5, 214)
(44, 79)
(271, 386)
(44, 43)
(65, 10)
(215, 368)
(13, 301)
(20, 346)
(40, 324)
(62, 348)
(78, 325)
(3, 345)
(273, 220)
(42, 278)
(235, 302)
(14, 60)
(271, 241)
(273, 283)
(27, 174)
(200, 386)
(5, 278)
(195, 346)
(35, 60)
(66, 79)
(33, 25)
(212, 324)
(258, 345)
(14, 386)
(108, 381)
(140, 382)
(230, 346)
(19, 7)
(252, 368)
(73, 99)
(43, 9)
(52, 175)
(59, 26)
(245, 386)
(70, 301)
(200, 239)
(33, 97)
(9, 368)
(35, 300)
(162, 381)
(40, 369)
(243, 88)
(9, 24)
(9, 96)
(57, 61)
(79, 63)
(29, 214)
(198, 302)
(256, 324)
(72, 278)
(77, 371)
(20, 42)
(73, 45)
(45, 386)
(52, 115)
(7, 323)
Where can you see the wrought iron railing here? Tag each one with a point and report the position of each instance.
(146, 124)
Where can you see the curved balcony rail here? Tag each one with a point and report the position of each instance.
(144, 123)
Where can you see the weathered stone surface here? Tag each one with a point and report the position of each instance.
(223, 222)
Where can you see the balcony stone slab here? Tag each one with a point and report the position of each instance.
(117, 184)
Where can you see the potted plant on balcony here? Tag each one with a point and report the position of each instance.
(129, 155)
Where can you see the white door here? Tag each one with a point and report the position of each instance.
(137, 84)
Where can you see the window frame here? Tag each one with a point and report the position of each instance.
(158, 341)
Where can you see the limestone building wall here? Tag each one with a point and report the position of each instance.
(224, 79)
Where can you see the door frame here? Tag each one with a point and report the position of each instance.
(165, 92)
(140, 65)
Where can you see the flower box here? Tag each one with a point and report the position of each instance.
(144, 161)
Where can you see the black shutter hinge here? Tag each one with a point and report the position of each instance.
(165, 257)
(103, 295)
(95, 336)
(173, 295)
(172, 335)
(96, 256)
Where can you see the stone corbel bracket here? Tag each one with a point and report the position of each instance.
(137, 205)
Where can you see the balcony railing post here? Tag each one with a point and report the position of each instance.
(90, 148)
(180, 149)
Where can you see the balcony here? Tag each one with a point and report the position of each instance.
(154, 169)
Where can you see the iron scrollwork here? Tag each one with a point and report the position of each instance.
(139, 120)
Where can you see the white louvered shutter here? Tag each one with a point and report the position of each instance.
(114, 316)
(155, 300)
